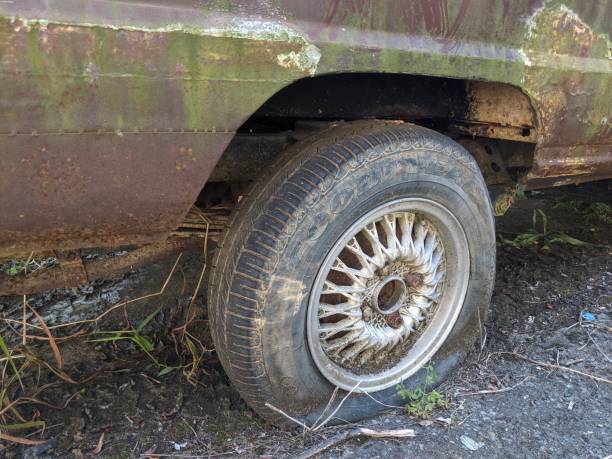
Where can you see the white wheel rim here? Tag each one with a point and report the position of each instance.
(388, 294)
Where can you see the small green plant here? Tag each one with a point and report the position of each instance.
(13, 366)
(519, 190)
(599, 211)
(568, 204)
(18, 267)
(140, 341)
(541, 237)
(421, 402)
(594, 211)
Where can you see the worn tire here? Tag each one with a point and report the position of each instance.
(266, 264)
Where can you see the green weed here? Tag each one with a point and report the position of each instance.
(13, 367)
(421, 402)
(17, 267)
(541, 237)
(593, 211)
(138, 339)
(568, 204)
(599, 211)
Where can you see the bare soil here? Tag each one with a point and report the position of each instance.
(527, 410)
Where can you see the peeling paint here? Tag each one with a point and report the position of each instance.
(307, 59)
(246, 28)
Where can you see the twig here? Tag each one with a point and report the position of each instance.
(278, 410)
(315, 428)
(22, 400)
(173, 455)
(188, 317)
(597, 345)
(100, 444)
(23, 322)
(21, 440)
(494, 391)
(10, 321)
(52, 343)
(558, 367)
(25, 267)
(195, 434)
(328, 406)
(357, 432)
(60, 339)
(383, 404)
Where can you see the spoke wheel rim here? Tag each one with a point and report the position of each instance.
(406, 259)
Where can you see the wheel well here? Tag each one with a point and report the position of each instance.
(494, 121)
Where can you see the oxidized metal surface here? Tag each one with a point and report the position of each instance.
(113, 113)
(87, 190)
(197, 227)
(490, 161)
(78, 272)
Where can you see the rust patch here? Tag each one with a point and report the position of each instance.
(569, 79)
(198, 226)
(91, 190)
(490, 161)
(500, 104)
(72, 267)
(73, 272)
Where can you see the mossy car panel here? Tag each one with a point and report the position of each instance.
(113, 114)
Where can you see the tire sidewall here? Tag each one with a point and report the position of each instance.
(380, 174)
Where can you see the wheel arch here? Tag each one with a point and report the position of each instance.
(455, 107)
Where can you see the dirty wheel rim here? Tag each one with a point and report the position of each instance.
(388, 294)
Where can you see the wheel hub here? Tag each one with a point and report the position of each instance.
(388, 295)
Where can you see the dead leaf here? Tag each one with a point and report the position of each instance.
(56, 352)
(21, 440)
(98, 449)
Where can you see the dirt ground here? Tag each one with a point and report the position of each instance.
(501, 405)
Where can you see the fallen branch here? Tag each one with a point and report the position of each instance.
(494, 391)
(353, 433)
(558, 367)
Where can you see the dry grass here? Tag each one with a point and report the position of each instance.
(22, 364)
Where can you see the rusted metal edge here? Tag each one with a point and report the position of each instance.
(527, 134)
(198, 227)
(59, 276)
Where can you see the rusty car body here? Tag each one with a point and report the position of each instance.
(114, 114)
(357, 144)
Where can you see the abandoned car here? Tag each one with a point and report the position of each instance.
(346, 156)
